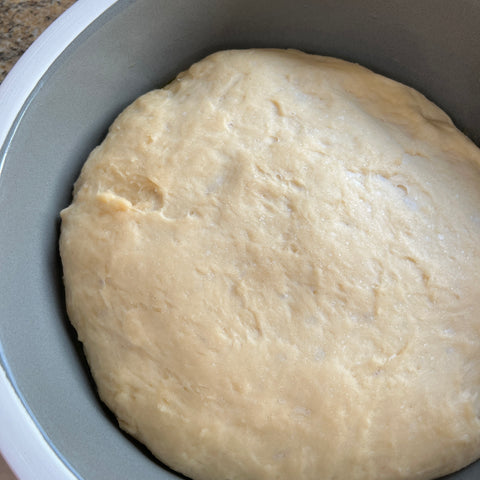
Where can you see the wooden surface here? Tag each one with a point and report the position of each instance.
(21, 22)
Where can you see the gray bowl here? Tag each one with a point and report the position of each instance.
(135, 46)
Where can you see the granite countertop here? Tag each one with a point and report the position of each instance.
(21, 22)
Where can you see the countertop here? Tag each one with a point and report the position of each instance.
(5, 472)
(21, 22)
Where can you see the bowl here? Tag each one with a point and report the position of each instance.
(57, 104)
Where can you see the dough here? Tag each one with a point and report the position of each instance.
(273, 264)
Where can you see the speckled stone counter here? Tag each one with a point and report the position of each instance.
(21, 22)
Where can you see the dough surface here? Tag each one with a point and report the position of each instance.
(273, 264)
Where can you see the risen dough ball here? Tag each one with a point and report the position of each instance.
(274, 266)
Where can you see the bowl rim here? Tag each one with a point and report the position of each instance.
(23, 444)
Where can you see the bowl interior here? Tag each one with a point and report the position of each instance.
(133, 47)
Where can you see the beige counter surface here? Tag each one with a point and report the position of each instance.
(5, 473)
(21, 22)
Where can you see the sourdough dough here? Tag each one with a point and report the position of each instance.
(274, 266)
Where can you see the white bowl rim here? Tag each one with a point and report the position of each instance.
(24, 446)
